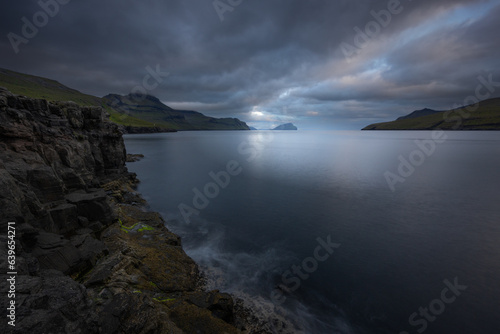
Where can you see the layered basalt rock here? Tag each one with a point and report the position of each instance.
(90, 257)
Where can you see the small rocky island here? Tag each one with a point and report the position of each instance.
(287, 126)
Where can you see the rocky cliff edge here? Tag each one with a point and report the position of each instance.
(90, 257)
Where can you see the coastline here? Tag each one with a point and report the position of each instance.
(141, 130)
(90, 256)
(251, 314)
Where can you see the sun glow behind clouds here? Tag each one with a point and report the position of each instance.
(256, 114)
(268, 118)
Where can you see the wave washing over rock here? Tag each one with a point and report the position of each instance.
(90, 257)
(251, 277)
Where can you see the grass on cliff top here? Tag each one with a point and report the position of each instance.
(41, 88)
(485, 117)
(51, 90)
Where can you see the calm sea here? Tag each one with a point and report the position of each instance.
(340, 232)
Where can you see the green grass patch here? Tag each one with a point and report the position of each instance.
(137, 227)
(146, 228)
(163, 300)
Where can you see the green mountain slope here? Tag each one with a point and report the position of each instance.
(484, 116)
(419, 113)
(42, 88)
(129, 111)
(151, 109)
(51, 90)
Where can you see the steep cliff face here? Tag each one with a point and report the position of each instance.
(90, 258)
(51, 154)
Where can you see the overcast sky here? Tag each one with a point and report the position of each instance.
(266, 62)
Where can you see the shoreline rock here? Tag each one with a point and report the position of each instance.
(134, 157)
(143, 129)
(90, 257)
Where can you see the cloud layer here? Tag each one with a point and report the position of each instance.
(317, 63)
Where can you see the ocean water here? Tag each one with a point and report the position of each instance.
(341, 231)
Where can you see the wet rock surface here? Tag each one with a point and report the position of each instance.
(134, 157)
(137, 130)
(90, 257)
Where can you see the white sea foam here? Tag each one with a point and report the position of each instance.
(250, 278)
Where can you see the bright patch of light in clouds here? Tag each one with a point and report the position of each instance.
(256, 114)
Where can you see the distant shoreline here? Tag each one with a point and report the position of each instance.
(447, 130)
(482, 116)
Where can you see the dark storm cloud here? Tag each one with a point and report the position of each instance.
(267, 61)
(451, 54)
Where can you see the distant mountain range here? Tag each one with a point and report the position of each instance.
(151, 109)
(484, 116)
(134, 112)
